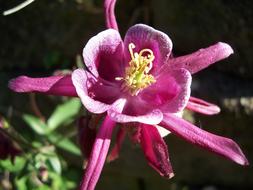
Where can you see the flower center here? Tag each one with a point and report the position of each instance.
(136, 74)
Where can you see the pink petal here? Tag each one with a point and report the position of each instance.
(54, 85)
(143, 37)
(95, 95)
(111, 22)
(217, 144)
(170, 93)
(103, 55)
(114, 154)
(202, 58)
(155, 150)
(153, 117)
(98, 155)
(202, 106)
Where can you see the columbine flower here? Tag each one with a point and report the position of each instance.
(135, 82)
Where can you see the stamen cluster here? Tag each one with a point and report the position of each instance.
(136, 75)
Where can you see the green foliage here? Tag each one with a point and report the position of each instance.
(36, 124)
(42, 162)
(15, 166)
(64, 113)
(64, 143)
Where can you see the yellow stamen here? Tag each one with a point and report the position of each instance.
(136, 75)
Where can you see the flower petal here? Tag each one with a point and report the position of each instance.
(143, 37)
(110, 19)
(202, 58)
(115, 112)
(202, 106)
(98, 155)
(54, 85)
(94, 94)
(114, 154)
(170, 93)
(153, 117)
(155, 150)
(214, 143)
(103, 55)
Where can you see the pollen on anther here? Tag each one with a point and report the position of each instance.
(137, 75)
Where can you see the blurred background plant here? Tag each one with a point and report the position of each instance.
(39, 160)
(39, 134)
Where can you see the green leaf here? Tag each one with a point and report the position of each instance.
(70, 184)
(64, 143)
(36, 124)
(21, 183)
(43, 187)
(18, 164)
(69, 146)
(55, 163)
(57, 181)
(63, 113)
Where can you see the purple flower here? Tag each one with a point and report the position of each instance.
(137, 83)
